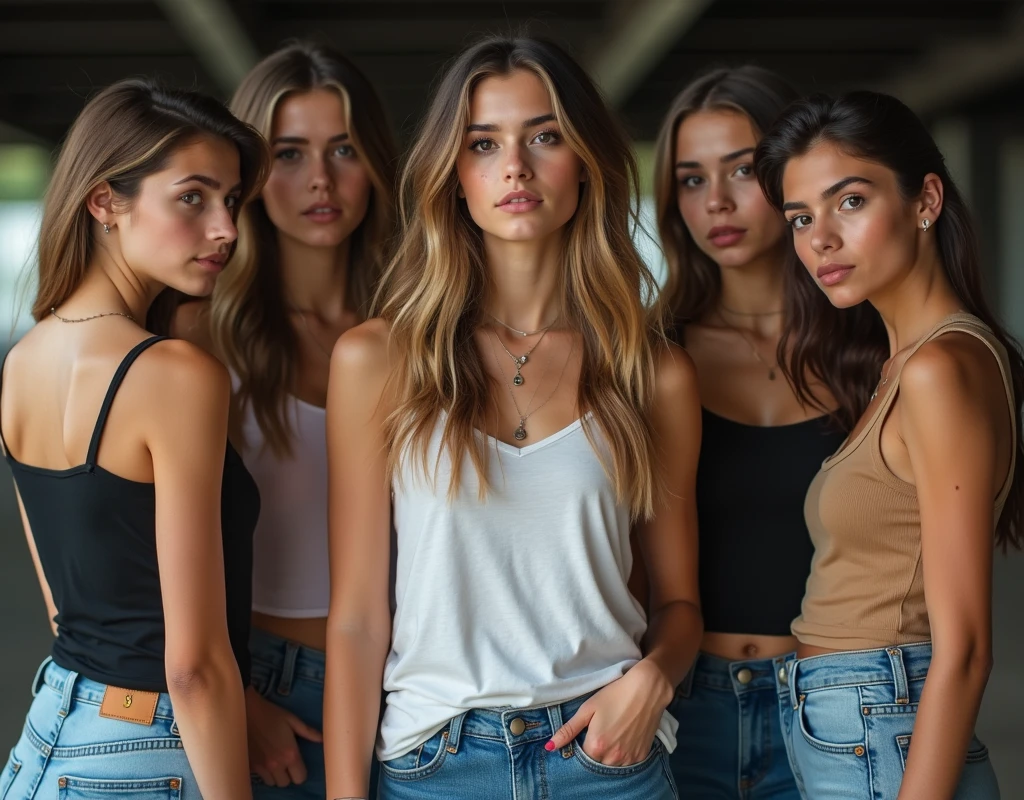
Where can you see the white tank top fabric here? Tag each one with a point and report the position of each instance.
(290, 576)
(519, 600)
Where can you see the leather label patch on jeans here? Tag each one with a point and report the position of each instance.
(129, 705)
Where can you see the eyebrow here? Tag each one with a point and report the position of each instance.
(831, 191)
(300, 140)
(203, 179)
(724, 159)
(530, 123)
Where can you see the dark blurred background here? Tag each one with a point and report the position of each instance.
(958, 63)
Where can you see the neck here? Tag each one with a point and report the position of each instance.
(750, 293)
(314, 278)
(915, 303)
(525, 279)
(110, 285)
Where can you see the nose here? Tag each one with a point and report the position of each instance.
(222, 226)
(824, 239)
(718, 197)
(320, 178)
(517, 163)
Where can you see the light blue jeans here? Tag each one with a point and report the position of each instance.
(498, 754)
(67, 751)
(292, 676)
(730, 732)
(850, 722)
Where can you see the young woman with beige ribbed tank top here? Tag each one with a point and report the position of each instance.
(894, 635)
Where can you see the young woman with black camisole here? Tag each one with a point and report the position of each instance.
(138, 513)
(727, 251)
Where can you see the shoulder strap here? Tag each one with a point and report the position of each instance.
(3, 366)
(115, 382)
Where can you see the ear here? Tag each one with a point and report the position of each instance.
(930, 202)
(100, 202)
(460, 192)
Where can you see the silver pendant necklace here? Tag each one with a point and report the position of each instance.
(518, 379)
(519, 332)
(520, 432)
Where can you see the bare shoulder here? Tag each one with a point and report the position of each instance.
(675, 373)
(191, 322)
(181, 376)
(950, 366)
(364, 351)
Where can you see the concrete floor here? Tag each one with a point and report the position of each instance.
(26, 641)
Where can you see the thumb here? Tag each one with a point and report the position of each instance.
(571, 729)
(304, 730)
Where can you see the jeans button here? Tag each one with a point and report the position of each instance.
(744, 676)
(517, 727)
(783, 677)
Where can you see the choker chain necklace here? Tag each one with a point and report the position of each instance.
(94, 316)
(523, 333)
(518, 380)
(770, 367)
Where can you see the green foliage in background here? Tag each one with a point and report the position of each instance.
(24, 170)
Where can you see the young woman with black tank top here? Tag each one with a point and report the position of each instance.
(895, 630)
(727, 252)
(138, 514)
(516, 412)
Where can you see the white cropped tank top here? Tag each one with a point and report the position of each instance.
(290, 576)
(519, 600)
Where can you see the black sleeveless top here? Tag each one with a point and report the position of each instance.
(755, 551)
(95, 534)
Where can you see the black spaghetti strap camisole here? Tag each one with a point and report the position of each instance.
(96, 537)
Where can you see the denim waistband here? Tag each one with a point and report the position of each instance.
(288, 659)
(752, 675)
(71, 686)
(895, 665)
(514, 726)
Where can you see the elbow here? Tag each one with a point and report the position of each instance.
(189, 679)
(971, 663)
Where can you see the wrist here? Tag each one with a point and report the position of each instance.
(661, 687)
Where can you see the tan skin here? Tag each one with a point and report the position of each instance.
(521, 148)
(167, 426)
(315, 166)
(718, 193)
(948, 433)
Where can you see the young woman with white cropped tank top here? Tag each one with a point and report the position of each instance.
(895, 630)
(311, 249)
(516, 406)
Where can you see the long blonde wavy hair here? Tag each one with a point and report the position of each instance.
(435, 284)
(248, 316)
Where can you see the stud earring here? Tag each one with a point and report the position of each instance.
(925, 224)
(106, 228)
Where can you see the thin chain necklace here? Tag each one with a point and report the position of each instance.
(770, 367)
(94, 316)
(309, 332)
(749, 313)
(518, 380)
(520, 432)
(523, 333)
(883, 381)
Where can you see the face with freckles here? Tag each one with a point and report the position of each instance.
(853, 229)
(179, 229)
(717, 193)
(319, 188)
(519, 178)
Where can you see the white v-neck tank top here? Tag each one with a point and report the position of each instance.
(519, 600)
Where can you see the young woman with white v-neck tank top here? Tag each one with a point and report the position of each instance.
(517, 406)
(311, 249)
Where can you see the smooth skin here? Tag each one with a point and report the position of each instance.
(315, 165)
(513, 144)
(167, 426)
(716, 189)
(948, 433)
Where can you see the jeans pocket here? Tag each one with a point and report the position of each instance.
(977, 753)
(262, 679)
(8, 775)
(831, 720)
(420, 762)
(70, 788)
(604, 769)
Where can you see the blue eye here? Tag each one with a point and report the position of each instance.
(287, 155)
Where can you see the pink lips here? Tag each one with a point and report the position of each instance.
(725, 235)
(213, 263)
(831, 274)
(322, 213)
(519, 202)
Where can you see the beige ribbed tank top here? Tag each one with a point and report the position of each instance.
(866, 587)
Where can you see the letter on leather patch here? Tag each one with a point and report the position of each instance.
(129, 705)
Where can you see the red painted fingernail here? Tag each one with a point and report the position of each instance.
(549, 746)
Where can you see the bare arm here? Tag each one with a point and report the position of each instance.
(359, 512)
(624, 716)
(952, 435)
(188, 391)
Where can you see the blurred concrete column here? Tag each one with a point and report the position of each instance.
(1011, 246)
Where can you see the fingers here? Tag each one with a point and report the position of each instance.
(304, 730)
(571, 729)
(263, 774)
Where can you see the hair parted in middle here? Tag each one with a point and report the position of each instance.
(435, 285)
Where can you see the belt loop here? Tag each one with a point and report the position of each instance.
(69, 692)
(686, 686)
(557, 721)
(291, 653)
(38, 681)
(793, 665)
(455, 733)
(899, 675)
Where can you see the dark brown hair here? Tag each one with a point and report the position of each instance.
(880, 128)
(124, 134)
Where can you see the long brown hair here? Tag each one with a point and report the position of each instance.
(125, 133)
(879, 128)
(435, 284)
(248, 318)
